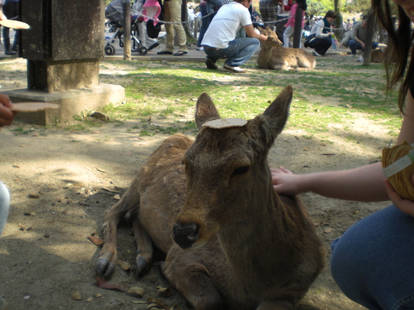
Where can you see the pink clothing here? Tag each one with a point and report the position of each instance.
(151, 10)
(291, 20)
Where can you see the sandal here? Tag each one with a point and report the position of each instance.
(180, 53)
(164, 53)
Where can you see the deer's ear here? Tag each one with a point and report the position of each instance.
(205, 110)
(277, 113)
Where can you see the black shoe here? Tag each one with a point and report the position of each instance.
(164, 53)
(211, 64)
(10, 52)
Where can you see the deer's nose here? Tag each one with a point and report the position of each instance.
(185, 234)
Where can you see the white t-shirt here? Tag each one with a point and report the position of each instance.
(317, 29)
(225, 25)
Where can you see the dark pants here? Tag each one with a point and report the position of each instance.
(6, 40)
(206, 19)
(355, 45)
(320, 45)
(11, 10)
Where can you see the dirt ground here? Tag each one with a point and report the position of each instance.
(61, 182)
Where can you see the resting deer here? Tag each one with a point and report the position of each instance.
(237, 244)
(273, 55)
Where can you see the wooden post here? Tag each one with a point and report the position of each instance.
(339, 20)
(298, 28)
(127, 29)
(63, 48)
(370, 34)
(297, 31)
(58, 59)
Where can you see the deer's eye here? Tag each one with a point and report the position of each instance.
(240, 170)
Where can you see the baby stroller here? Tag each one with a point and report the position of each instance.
(116, 28)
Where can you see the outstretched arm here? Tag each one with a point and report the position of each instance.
(364, 183)
(251, 32)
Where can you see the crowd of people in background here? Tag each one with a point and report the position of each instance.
(317, 32)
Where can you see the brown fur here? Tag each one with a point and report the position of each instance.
(273, 55)
(377, 56)
(253, 249)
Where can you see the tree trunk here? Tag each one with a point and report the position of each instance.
(298, 28)
(339, 31)
(126, 5)
(370, 34)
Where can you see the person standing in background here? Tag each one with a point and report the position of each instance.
(290, 25)
(269, 11)
(174, 29)
(10, 9)
(137, 9)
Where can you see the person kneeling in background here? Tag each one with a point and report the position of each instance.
(320, 38)
(220, 38)
(359, 36)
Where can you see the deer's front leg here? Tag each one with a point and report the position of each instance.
(105, 264)
(128, 204)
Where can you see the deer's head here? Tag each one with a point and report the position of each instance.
(225, 167)
(272, 38)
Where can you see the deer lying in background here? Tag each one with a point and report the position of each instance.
(238, 244)
(273, 55)
(377, 56)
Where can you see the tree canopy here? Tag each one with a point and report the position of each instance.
(319, 7)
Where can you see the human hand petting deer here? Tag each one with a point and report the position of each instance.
(6, 113)
(366, 183)
(286, 182)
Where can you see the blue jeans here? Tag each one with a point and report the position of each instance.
(4, 205)
(237, 53)
(373, 262)
(355, 45)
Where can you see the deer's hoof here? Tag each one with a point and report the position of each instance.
(104, 267)
(142, 266)
(185, 234)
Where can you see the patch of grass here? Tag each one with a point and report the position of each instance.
(22, 131)
(336, 92)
